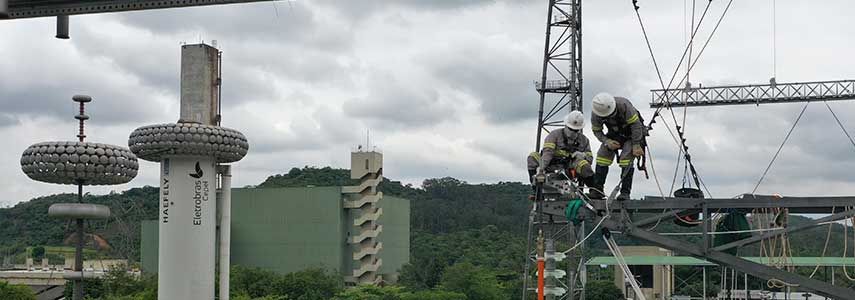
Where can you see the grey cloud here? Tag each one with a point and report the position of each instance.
(109, 105)
(358, 10)
(395, 102)
(501, 79)
(8, 120)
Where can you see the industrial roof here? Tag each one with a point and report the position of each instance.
(691, 261)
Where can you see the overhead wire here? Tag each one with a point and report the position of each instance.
(786, 138)
(681, 142)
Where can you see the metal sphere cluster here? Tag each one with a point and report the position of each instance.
(79, 162)
(153, 142)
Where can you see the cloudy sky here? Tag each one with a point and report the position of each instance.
(444, 87)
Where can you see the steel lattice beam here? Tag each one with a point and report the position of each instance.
(755, 94)
(795, 204)
(18, 9)
(743, 265)
(771, 234)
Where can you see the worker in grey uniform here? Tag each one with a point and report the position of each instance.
(624, 140)
(565, 149)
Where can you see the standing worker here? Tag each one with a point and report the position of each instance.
(626, 133)
(565, 149)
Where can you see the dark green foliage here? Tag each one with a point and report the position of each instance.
(487, 247)
(396, 293)
(433, 295)
(310, 284)
(370, 293)
(38, 253)
(310, 176)
(118, 283)
(15, 292)
(472, 281)
(602, 290)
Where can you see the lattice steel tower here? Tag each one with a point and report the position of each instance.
(560, 91)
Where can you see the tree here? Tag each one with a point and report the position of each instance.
(602, 290)
(15, 292)
(369, 292)
(309, 284)
(472, 281)
(433, 295)
(38, 253)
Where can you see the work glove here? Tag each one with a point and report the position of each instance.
(578, 155)
(612, 144)
(637, 151)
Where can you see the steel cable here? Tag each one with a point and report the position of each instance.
(786, 138)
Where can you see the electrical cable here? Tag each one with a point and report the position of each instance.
(608, 214)
(682, 144)
(786, 138)
(839, 123)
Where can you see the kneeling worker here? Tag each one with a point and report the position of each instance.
(626, 133)
(564, 149)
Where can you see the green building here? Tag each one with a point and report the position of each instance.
(353, 229)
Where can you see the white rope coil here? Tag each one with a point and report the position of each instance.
(153, 142)
(79, 163)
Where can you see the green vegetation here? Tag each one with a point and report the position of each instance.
(602, 290)
(467, 242)
(15, 292)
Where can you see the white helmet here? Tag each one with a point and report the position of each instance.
(575, 120)
(603, 104)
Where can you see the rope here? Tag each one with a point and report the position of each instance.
(824, 248)
(846, 244)
(780, 148)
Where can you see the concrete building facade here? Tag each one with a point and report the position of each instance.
(656, 281)
(354, 230)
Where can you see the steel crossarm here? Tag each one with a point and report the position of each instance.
(754, 94)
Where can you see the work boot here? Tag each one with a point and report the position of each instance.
(598, 181)
(626, 182)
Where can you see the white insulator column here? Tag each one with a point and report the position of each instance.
(187, 228)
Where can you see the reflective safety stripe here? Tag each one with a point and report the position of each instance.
(596, 128)
(604, 161)
(625, 162)
(548, 145)
(632, 119)
(589, 153)
(535, 155)
(562, 153)
(581, 163)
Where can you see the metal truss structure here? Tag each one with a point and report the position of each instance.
(755, 94)
(560, 85)
(62, 9)
(560, 91)
(18, 9)
(617, 216)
